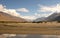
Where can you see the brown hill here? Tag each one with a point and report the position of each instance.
(9, 18)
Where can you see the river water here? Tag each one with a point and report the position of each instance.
(27, 36)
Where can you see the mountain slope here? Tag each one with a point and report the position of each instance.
(54, 17)
(40, 19)
(7, 17)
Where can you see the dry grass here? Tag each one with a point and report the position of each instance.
(30, 28)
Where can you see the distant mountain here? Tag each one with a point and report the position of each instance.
(39, 19)
(7, 17)
(54, 17)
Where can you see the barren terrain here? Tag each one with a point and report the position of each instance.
(30, 28)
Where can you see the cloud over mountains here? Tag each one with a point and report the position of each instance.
(52, 8)
(13, 12)
(49, 9)
(44, 10)
(22, 10)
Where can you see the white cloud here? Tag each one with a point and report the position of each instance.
(55, 8)
(12, 12)
(1, 7)
(23, 10)
(41, 15)
(9, 11)
(48, 10)
(29, 17)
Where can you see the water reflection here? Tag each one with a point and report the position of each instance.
(27, 36)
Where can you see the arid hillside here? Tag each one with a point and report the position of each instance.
(7, 17)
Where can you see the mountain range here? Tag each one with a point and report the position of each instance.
(39, 19)
(10, 18)
(53, 17)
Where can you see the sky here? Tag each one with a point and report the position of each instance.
(30, 9)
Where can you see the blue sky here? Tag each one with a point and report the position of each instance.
(31, 5)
